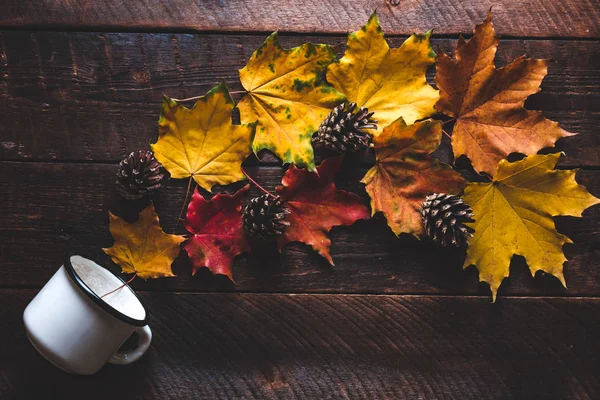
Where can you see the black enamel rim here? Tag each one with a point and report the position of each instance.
(96, 299)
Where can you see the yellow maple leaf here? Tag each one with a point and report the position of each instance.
(142, 247)
(487, 103)
(390, 82)
(514, 213)
(201, 142)
(288, 97)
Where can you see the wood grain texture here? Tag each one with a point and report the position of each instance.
(537, 18)
(50, 209)
(82, 100)
(89, 96)
(213, 346)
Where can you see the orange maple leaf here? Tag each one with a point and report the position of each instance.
(405, 173)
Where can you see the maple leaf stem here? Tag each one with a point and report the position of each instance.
(197, 97)
(187, 193)
(120, 287)
(446, 133)
(257, 185)
(450, 120)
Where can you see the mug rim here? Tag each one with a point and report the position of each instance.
(97, 299)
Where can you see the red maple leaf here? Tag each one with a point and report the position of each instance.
(316, 206)
(216, 226)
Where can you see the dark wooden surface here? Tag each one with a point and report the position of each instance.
(80, 86)
(333, 346)
(93, 96)
(59, 206)
(534, 18)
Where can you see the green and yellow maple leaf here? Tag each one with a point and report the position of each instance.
(390, 82)
(202, 142)
(513, 215)
(286, 93)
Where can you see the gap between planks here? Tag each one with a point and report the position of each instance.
(107, 29)
(253, 163)
(335, 294)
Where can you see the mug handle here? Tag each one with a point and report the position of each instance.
(127, 357)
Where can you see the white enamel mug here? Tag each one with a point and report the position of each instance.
(78, 331)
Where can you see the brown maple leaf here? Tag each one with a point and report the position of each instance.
(487, 103)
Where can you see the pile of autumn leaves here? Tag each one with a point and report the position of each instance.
(289, 93)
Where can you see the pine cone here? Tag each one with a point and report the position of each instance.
(444, 216)
(342, 130)
(138, 175)
(264, 217)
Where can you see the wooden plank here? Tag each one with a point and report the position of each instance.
(89, 96)
(49, 209)
(217, 346)
(552, 18)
